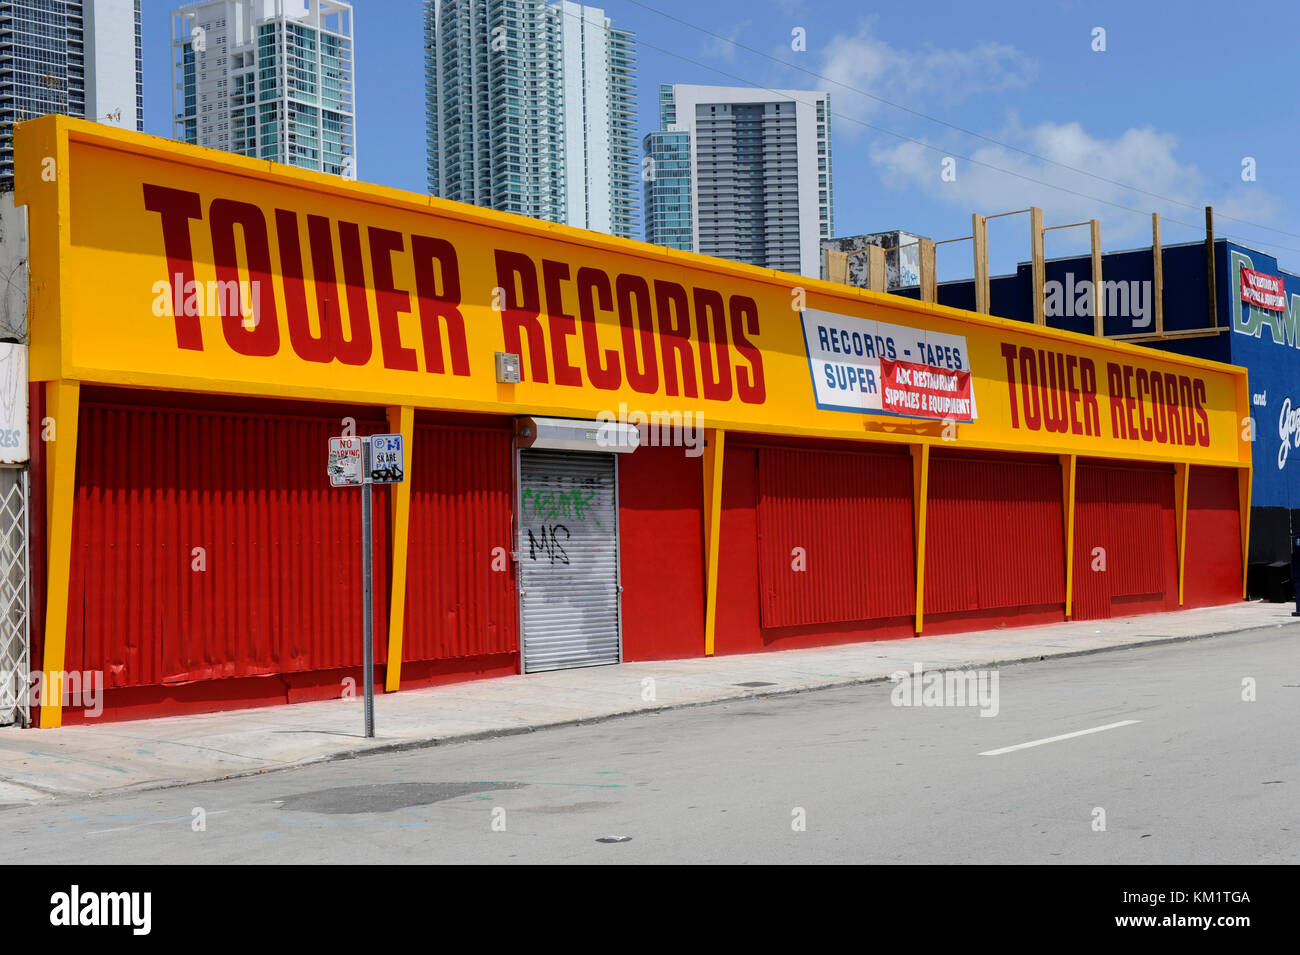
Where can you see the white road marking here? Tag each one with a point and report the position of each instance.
(1054, 739)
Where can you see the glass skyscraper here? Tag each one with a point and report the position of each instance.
(666, 172)
(531, 109)
(742, 174)
(76, 57)
(272, 79)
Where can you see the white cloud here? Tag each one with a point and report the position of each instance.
(1143, 159)
(1252, 203)
(725, 49)
(863, 61)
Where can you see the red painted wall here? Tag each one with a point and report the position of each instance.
(461, 599)
(1212, 567)
(994, 534)
(995, 548)
(835, 533)
(276, 588)
(661, 547)
(1128, 511)
(273, 618)
(738, 628)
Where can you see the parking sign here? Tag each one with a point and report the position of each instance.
(387, 459)
(344, 466)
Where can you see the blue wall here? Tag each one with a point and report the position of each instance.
(1265, 343)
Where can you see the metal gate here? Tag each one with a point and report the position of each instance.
(568, 559)
(15, 571)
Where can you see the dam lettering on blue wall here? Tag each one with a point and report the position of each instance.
(1252, 320)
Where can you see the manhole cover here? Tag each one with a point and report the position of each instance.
(752, 683)
(384, 797)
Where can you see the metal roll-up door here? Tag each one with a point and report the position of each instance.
(568, 559)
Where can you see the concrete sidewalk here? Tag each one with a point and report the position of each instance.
(38, 765)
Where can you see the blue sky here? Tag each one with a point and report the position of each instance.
(1161, 121)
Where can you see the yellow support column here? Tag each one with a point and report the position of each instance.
(62, 403)
(1243, 503)
(920, 492)
(401, 420)
(714, 441)
(1182, 473)
(1068, 470)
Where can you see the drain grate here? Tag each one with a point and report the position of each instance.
(753, 683)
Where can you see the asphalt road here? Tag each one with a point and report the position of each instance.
(1202, 776)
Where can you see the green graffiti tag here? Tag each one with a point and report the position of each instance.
(545, 504)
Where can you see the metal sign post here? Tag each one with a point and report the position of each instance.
(365, 462)
(367, 597)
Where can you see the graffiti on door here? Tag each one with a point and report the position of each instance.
(547, 543)
(546, 504)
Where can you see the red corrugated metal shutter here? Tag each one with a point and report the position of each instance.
(952, 515)
(851, 514)
(460, 594)
(1213, 563)
(994, 535)
(1123, 511)
(1135, 564)
(276, 586)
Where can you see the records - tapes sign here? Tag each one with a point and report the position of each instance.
(877, 368)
